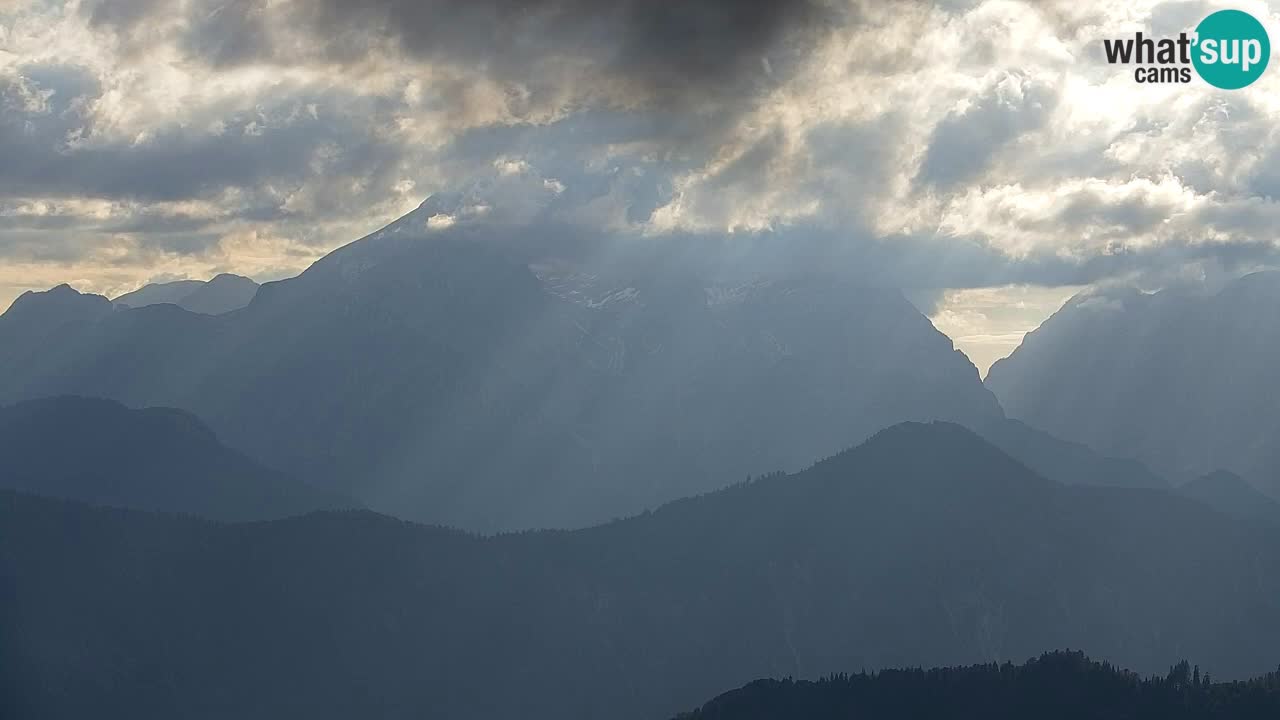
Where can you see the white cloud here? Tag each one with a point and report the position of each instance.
(982, 142)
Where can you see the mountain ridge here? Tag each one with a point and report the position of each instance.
(926, 545)
(223, 293)
(159, 459)
(1176, 379)
(435, 375)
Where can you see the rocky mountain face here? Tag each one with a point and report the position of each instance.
(1183, 382)
(468, 378)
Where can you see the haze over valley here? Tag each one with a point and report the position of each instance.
(757, 360)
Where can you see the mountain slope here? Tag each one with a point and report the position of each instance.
(222, 294)
(1231, 494)
(103, 453)
(1055, 686)
(1179, 381)
(1067, 462)
(470, 377)
(926, 545)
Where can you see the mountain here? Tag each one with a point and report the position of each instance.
(103, 453)
(1067, 462)
(158, 293)
(482, 378)
(1055, 686)
(1232, 494)
(1178, 380)
(924, 545)
(222, 294)
(60, 310)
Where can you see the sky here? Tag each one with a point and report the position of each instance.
(983, 156)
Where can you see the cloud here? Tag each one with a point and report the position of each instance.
(964, 141)
(50, 137)
(667, 49)
(922, 144)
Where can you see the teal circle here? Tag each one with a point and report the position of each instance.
(1236, 36)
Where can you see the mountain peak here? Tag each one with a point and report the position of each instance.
(376, 350)
(56, 304)
(939, 435)
(932, 453)
(221, 294)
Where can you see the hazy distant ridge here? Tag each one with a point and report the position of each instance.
(224, 293)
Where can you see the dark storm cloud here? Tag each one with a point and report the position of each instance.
(1265, 178)
(965, 141)
(683, 73)
(51, 148)
(576, 135)
(229, 33)
(668, 49)
(920, 262)
(1127, 216)
(582, 118)
(924, 262)
(147, 224)
(568, 151)
(120, 13)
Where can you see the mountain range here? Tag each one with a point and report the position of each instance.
(924, 545)
(487, 381)
(222, 294)
(1182, 381)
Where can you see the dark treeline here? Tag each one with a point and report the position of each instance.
(1064, 685)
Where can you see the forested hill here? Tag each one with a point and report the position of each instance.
(1056, 686)
(924, 546)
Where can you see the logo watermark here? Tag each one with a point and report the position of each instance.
(1229, 49)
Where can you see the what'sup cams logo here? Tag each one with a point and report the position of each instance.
(1229, 49)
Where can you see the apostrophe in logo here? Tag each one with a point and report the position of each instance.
(1229, 49)
(1232, 49)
